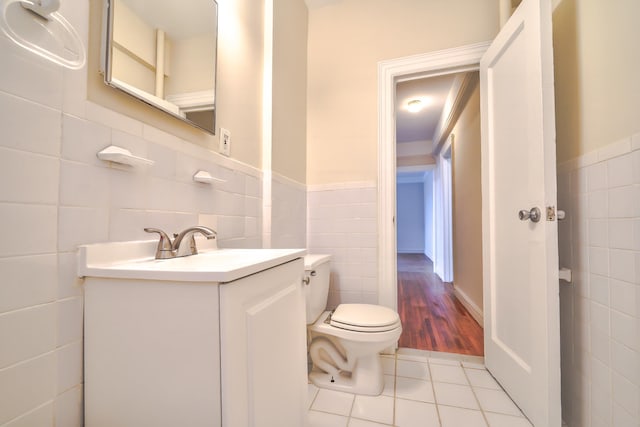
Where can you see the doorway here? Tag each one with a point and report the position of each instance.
(461, 59)
(429, 296)
(520, 252)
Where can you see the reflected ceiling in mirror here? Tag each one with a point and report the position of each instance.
(163, 52)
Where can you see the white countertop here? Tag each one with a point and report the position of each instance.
(136, 260)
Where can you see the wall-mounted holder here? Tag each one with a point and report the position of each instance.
(122, 156)
(52, 38)
(565, 275)
(206, 178)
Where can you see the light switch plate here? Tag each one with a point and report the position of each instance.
(225, 142)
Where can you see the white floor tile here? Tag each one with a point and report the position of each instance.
(448, 374)
(458, 417)
(482, 378)
(414, 389)
(501, 420)
(455, 395)
(496, 401)
(426, 391)
(416, 414)
(473, 364)
(322, 419)
(413, 354)
(373, 408)
(389, 385)
(312, 391)
(354, 422)
(388, 365)
(411, 369)
(440, 358)
(478, 361)
(334, 402)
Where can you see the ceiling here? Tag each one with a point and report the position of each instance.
(433, 92)
(171, 16)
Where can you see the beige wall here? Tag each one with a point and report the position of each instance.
(597, 63)
(134, 50)
(239, 82)
(190, 70)
(467, 201)
(346, 41)
(289, 131)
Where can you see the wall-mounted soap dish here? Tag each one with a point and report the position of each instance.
(123, 156)
(206, 178)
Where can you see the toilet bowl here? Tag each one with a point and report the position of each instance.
(345, 343)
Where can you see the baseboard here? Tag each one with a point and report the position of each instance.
(411, 251)
(471, 307)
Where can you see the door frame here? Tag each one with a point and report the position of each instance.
(443, 205)
(460, 59)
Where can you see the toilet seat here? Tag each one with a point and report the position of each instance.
(364, 318)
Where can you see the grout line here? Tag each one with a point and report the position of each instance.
(473, 391)
(30, 307)
(31, 411)
(30, 359)
(353, 403)
(433, 390)
(395, 387)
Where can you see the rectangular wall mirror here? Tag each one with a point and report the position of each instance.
(163, 52)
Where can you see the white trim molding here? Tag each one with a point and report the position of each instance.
(465, 58)
(472, 308)
(353, 185)
(194, 101)
(288, 181)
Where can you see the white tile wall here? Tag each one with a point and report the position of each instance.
(27, 385)
(600, 311)
(41, 416)
(57, 194)
(342, 221)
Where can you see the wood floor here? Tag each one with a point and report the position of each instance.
(432, 317)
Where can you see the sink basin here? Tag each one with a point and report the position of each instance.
(136, 260)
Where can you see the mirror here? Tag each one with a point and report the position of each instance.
(163, 52)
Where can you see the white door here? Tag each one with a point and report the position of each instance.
(520, 257)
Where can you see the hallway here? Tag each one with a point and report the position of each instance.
(432, 317)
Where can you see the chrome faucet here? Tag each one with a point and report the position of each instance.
(168, 249)
(188, 234)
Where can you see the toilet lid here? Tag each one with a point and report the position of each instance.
(365, 318)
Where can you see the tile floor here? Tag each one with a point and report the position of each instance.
(422, 389)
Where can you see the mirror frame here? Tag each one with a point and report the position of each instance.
(106, 69)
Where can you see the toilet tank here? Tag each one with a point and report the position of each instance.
(317, 269)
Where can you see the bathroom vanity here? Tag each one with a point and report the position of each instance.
(213, 339)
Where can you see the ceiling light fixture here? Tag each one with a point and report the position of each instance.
(414, 105)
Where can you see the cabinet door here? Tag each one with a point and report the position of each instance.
(151, 354)
(263, 342)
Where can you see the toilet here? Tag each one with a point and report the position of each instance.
(345, 343)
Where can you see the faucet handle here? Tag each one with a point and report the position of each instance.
(165, 247)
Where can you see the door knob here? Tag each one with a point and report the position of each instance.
(533, 215)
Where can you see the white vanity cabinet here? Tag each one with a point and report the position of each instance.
(263, 363)
(194, 352)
